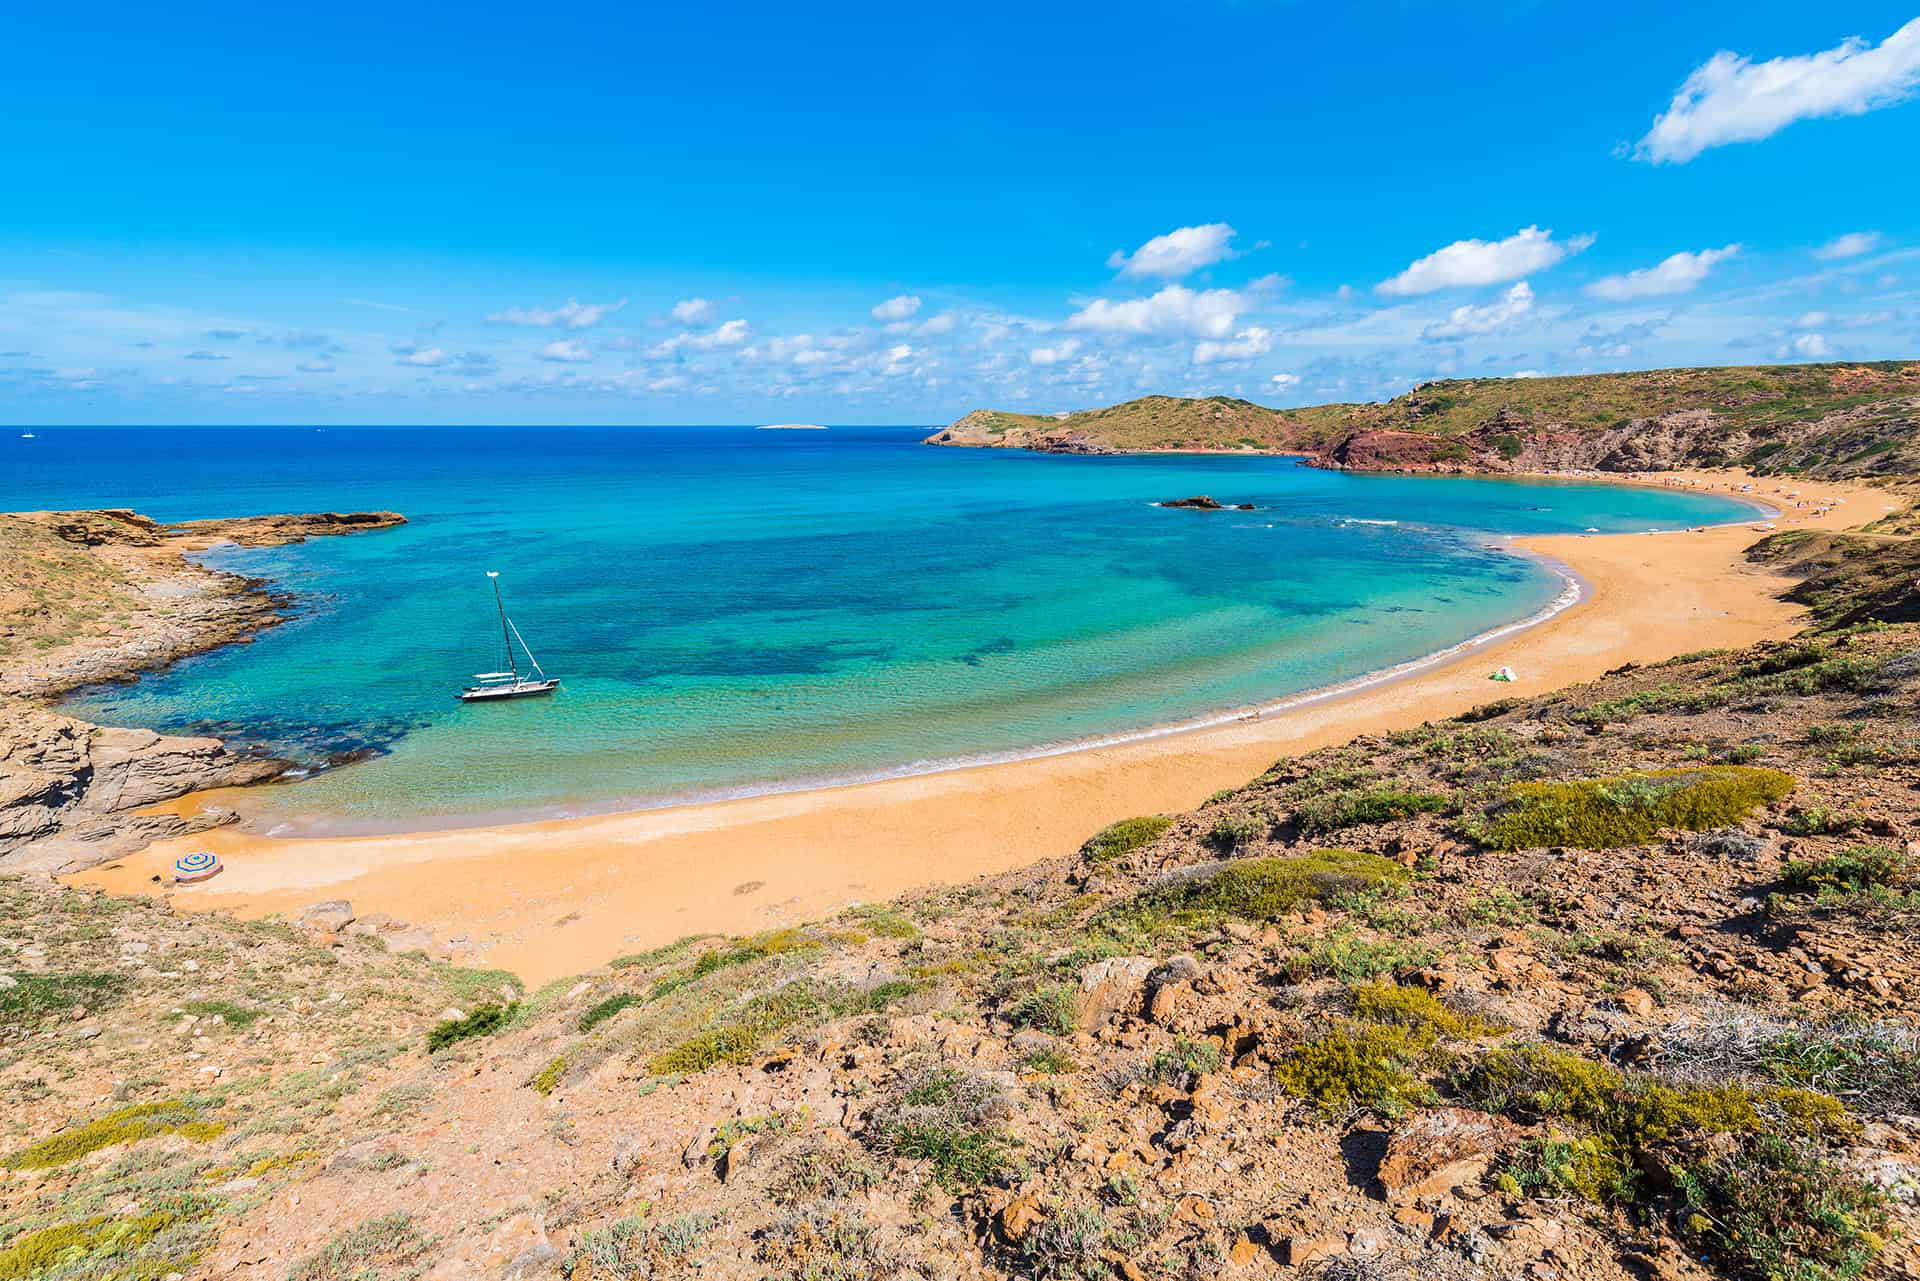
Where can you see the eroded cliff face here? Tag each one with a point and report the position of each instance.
(94, 596)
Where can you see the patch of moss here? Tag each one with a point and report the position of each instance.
(113, 1246)
(1630, 809)
(1116, 840)
(128, 1125)
(33, 997)
(548, 1077)
(229, 1013)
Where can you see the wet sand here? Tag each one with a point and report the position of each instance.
(551, 898)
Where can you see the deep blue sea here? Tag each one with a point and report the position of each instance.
(732, 610)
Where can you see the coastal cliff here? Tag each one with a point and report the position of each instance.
(93, 596)
(1838, 420)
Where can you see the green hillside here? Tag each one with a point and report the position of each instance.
(1829, 418)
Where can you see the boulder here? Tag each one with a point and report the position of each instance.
(1110, 987)
(1199, 502)
(329, 917)
(1437, 1151)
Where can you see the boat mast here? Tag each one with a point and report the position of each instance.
(506, 636)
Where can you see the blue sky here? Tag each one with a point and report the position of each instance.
(877, 213)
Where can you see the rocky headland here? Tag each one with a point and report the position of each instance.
(1838, 420)
(93, 596)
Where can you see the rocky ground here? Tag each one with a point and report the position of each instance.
(1615, 982)
(94, 596)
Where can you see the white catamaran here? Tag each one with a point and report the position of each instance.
(510, 683)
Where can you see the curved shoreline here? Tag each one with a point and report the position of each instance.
(560, 896)
(1574, 590)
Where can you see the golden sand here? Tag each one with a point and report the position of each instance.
(545, 899)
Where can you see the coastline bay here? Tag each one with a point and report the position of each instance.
(737, 612)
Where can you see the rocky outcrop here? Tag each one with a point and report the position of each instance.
(70, 792)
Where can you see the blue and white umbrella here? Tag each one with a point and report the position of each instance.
(197, 866)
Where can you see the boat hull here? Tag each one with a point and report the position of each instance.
(495, 693)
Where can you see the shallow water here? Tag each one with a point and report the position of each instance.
(732, 611)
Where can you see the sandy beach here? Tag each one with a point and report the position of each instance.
(546, 899)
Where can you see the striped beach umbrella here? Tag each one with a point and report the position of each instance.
(197, 866)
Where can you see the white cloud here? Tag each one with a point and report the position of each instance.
(1851, 245)
(694, 311)
(1811, 345)
(1055, 354)
(566, 351)
(1484, 262)
(731, 334)
(573, 314)
(1528, 373)
(900, 308)
(1284, 382)
(1245, 345)
(315, 366)
(1178, 252)
(428, 359)
(1811, 320)
(1675, 274)
(1176, 310)
(1730, 99)
(933, 325)
(1462, 322)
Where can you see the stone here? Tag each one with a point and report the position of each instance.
(1300, 1251)
(1019, 1217)
(1243, 1252)
(1436, 1151)
(329, 917)
(1110, 987)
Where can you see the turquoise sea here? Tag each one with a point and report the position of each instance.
(733, 611)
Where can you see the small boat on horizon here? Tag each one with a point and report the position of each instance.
(493, 686)
(27, 435)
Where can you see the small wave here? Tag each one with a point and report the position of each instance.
(1362, 520)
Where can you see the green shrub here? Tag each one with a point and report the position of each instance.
(744, 951)
(1364, 1066)
(103, 1246)
(1418, 1008)
(736, 1035)
(1816, 820)
(1049, 1008)
(1863, 867)
(1066, 1245)
(1230, 831)
(484, 1021)
(1117, 840)
(949, 1117)
(1186, 1058)
(389, 1239)
(1379, 803)
(1263, 888)
(1630, 809)
(601, 1011)
(885, 921)
(1776, 1208)
(1352, 958)
(1594, 1168)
